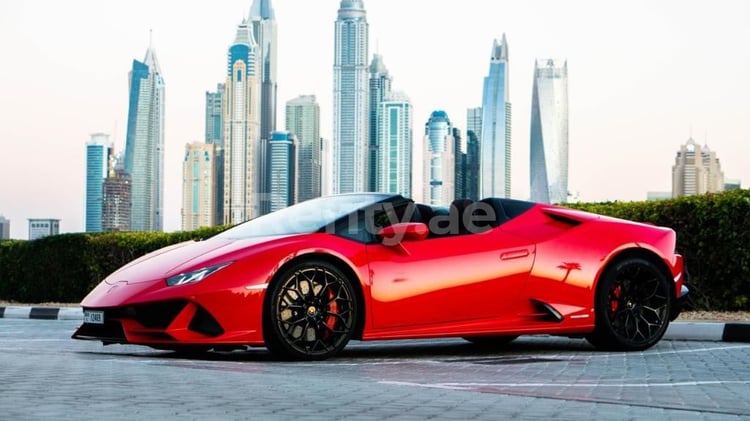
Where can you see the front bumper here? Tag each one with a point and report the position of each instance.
(162, 322)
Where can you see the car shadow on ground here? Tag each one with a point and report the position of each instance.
(523, 349)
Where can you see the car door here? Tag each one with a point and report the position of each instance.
(447, 279)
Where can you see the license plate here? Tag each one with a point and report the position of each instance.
(94, 317)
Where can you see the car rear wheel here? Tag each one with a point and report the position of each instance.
(491, 341)
(632, 306)
(311, 313)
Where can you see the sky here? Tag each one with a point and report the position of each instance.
(643, 77)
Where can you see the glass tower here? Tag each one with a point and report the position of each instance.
(263, 24)
(98, 156)
(495, 138)
(282, 163)
(303, 120)
(215, 136)
(395, 142)
(549, 132)
(242, 161)
(380, 87)
(350, 102)
(439, 160)
(144, 145)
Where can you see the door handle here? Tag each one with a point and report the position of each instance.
(514, 254)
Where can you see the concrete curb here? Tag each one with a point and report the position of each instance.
(677, 331)
(43, 313)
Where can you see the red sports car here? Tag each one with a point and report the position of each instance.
(305, 280)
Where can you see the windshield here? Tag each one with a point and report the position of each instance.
(306, 217)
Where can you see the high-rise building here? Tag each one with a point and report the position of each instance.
(144, 147)
(439, 160)
(696, 170)
(471, 169)
(39, 228)
(242, 160)
(98, 158)
(303, 120)
(380, 87)
(459, 156)
(494, 141)
(116, 200)
(548, 147)
(282, 175)
(198, 186)
(214, 118)
(263, 25)
(350, 99)
(474, 121)
(4, 228)
(394, 142)
(215, 136)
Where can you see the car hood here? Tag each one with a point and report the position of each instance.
(182, 257)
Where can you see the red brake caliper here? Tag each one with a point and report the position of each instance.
(332, 308)
(614, 304)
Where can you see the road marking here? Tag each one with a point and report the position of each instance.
(473, 386)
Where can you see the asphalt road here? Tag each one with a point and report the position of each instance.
(46, 375)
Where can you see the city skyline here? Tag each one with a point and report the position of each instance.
(635, 94)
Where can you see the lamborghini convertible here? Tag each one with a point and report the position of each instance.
(305, 280)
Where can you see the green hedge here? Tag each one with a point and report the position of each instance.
(64, 268)
(713, 233)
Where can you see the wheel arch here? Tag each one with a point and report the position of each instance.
(340, 264)
(638, 252)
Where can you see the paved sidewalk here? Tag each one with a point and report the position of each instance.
(678, 331)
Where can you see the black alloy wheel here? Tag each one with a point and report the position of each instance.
(311, 312)
(632, 306)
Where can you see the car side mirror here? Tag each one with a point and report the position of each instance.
(404, 231)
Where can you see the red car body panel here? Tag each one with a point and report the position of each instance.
(507, 280)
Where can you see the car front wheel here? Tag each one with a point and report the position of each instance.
(311, 313)
(632, 306)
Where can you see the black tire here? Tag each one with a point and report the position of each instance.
(311, 312)
(491, 341)
(632, 306)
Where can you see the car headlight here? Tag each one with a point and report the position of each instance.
(195, 275)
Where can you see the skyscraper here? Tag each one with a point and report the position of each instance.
(459, 165)
(98, 158)
(350, 103)
(471, 170)
(282, 174)
(263, 26)
(215, 136)
(198, 186)
(439, 160)
(548, 149)
(303, 120)
(117, 202)
(214, 119)
(696, 170)
(380, 87)
(394, 131)
(144, 147)
(495, 138)
(473, 152)
(474, 121)
(242, 161)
